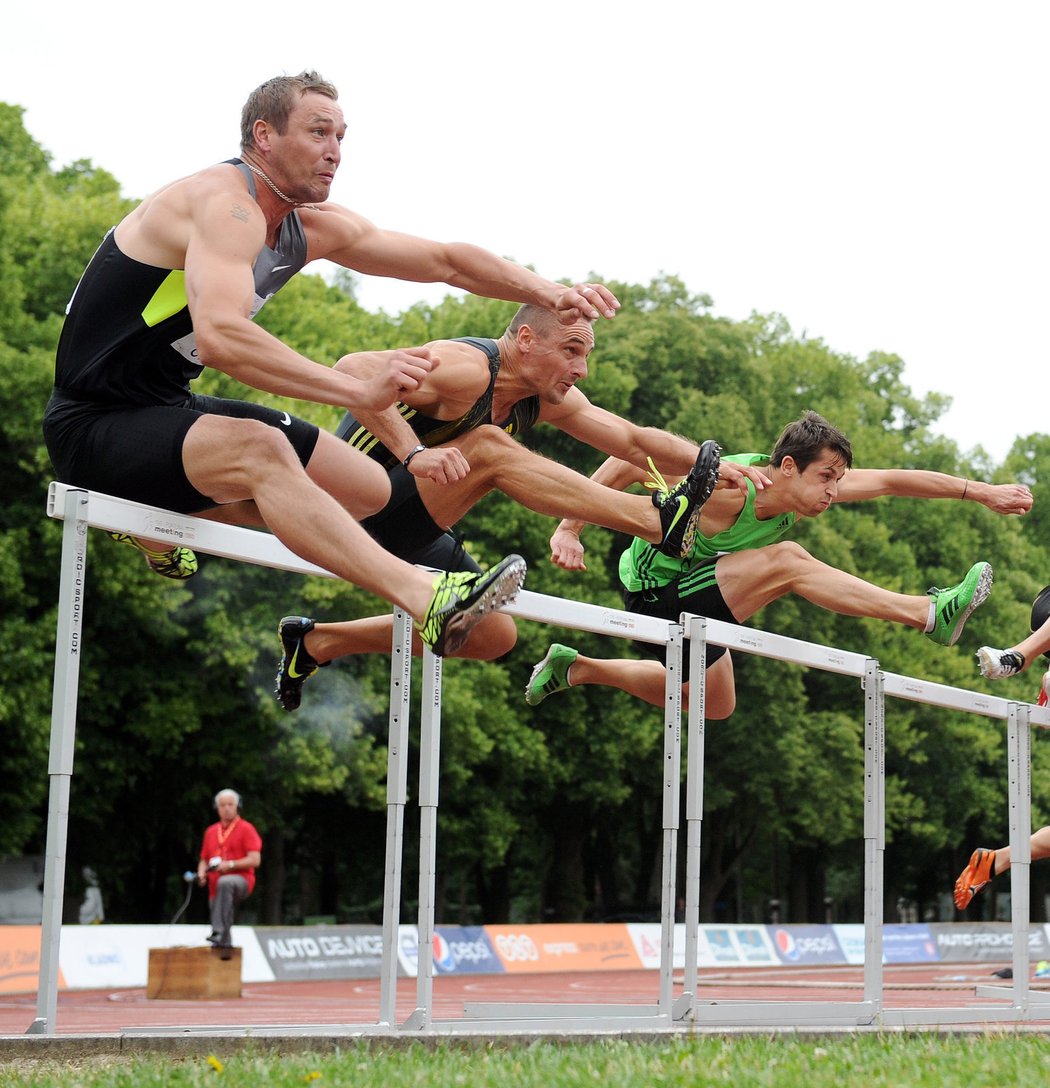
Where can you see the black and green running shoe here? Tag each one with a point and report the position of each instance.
(179, 563)
(461, 598)
(953, 607)
(296, 665)
(680, 505)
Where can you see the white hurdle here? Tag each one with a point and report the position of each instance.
(80, 510)
(687, 1009)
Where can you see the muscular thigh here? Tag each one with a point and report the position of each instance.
(360, 484)
(404, 526)
(749, 580)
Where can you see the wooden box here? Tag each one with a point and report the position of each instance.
(194, 973)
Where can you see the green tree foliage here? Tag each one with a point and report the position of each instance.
(552, 812)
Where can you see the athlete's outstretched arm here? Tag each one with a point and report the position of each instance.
(872, 483)
(672, 454)
(348, 239)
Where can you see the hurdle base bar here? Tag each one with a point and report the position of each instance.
(1035, 997)
(784, 1013)
(932, 1017)
(272, 1031)
(503, 1010)
(519, 1022)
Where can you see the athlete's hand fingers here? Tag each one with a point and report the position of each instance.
(590, 300)
(1008, 498)
(425, 358)
(733, 475)
(567, 551)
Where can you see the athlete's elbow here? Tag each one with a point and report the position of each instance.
(216, 347)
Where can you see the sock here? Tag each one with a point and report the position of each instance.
(931, 622)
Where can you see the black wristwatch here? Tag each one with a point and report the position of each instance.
(412, 453)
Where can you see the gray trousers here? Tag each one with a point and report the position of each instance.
(230, 890)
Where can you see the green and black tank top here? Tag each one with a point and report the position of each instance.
(642, 567)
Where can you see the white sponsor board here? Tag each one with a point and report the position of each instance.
(111, 957)
(717, 946)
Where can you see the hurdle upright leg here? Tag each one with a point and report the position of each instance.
(671, 813)
(696, 627)
(397, 798)
(874, 829)
(68, 644)
(429, 775)
(1019, 792)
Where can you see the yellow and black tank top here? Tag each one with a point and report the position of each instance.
(433, 432)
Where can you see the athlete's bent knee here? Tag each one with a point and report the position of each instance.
(786, 555)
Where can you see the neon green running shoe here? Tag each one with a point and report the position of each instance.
(461, 598)
(179, 563)
(551, 674)
(952, 607)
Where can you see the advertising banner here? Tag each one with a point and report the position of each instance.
(806, 944)
(20, 959)
(910, 943)
(104, 956)
(730, 945)
(736, 946)
(567, 947)
(322, 951)
(462, 950)
(980, 941)
(850, 936)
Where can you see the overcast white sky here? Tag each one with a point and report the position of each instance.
(877, 172)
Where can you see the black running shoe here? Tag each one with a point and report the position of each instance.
(680, 505)
(296, 665)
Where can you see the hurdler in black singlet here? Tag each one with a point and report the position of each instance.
(404, 526)
(128, 343)
(433, 432)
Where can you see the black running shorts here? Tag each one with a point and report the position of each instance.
(668, 603)
(403, 526)
(135, 452)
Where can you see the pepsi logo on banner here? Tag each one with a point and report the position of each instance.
(444, 960)
(807, 944)
(787, 950)
(466, 950)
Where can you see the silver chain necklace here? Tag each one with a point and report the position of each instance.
(255, 170)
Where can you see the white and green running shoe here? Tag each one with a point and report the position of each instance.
(551, 674)
(178, 563)
(461, 598)
(952, 607)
